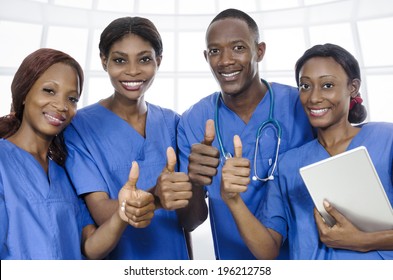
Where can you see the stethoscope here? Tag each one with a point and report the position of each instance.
(270, 122)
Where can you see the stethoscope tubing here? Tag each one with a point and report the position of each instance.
(270, 121)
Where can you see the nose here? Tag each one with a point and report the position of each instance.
(315, 96)
(132, 69)
(226, 58)
(61, 105)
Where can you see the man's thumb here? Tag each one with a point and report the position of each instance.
(171, 159)
(209, 133)
(133, 176)
(237, 144)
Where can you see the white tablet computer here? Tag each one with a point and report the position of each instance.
(351, 184)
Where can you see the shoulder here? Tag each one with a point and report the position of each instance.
(297, 154)
(5, 146)
(283, 90)
(91, 111)
(378, 128)
(286, 97)
(158, 110)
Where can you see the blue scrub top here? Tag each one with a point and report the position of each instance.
(102, 147)
(296, 130)
(288, 208)
(41, 217)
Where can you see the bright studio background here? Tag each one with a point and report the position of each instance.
(288, 27)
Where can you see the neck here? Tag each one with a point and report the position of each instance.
(337, 139)
(36, 145)
(245, 102)
(134, 112)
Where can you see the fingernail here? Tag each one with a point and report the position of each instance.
(326, 203)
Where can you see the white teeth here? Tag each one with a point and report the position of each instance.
(53, 118)
(319, 111)
(230, 74)
(132, 84)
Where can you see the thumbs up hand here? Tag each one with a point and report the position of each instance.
(235, 174)
(204, 158)
(173, 189)
(136, 207)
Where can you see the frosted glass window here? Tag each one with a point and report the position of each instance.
(245, 6)
(379, 98)
(339, 34)
(5, 94)
(156, 6)
(70, 40)
(275, 5)
(17, 41)
(98, 88)
(169, 55)
(191, 90)
(197, 7)
(85, 4)
(375, 39)
(190, 52)
(316, 2)
(283, 48)
(123, 6)
(94, 53)
(162, 93)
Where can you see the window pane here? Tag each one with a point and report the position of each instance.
(339, 34)
(246, 6)
(379, 98)
(197, 7)
(123, 6)
(86, 4)
(192, 90)
(283, 48)
(157, 6)
(169, 56)
(190, 52)
(17, 41)
(162, 93)
(70, 40)
(98, 88)
(375, 39)
(94, 53)
(5, 96)
(275, 5)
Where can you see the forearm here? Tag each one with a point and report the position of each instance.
(103, 240)
(262, 242)
(101, 206)
(371, 241)
(195, 213)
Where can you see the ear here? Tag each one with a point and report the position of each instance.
(261, 48)
(159, 59)
(355, 87)
(104, 61)
(205, 55)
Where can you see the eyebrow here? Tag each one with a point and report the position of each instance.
(144, 52)
(320, 77)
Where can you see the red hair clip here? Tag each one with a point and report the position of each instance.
(355, 100)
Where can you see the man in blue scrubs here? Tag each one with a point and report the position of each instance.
(233, 51)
